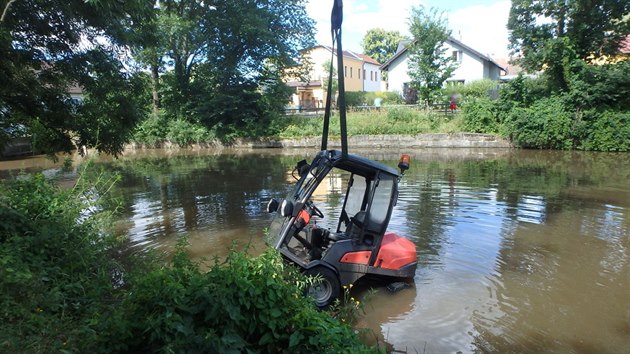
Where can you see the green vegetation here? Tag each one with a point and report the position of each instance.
(69, 287)
(205, 76)
(380, 44)
(429, 66)
(43, 53)
(157, 129)
(362, 98)
(389, 120)
(591, 114)
(572, 30)
(206, 68)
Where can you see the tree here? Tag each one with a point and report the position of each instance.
(381, 44)
(44, 49)
(227, 55)
(429, 66)
(550, 35)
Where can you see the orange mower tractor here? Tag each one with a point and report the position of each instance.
(359, 245)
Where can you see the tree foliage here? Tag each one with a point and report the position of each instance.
(227, 57)
(380, 44)
(429, 67)
(550, 35)
(47, 47)
(214, 62)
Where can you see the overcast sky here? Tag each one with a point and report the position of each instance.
(480, 24)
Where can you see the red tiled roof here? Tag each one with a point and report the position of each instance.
(368, 59)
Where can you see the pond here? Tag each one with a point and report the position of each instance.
(518, 251)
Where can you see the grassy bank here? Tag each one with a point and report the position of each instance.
(389, 120)
(591, 114)
(69, 286)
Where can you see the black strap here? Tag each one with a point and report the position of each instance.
(328, 102)
(336, 19)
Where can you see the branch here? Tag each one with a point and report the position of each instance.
(6, 9)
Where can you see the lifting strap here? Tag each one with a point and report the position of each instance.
(336, 19)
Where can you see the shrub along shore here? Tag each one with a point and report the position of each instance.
(68, 285)
(525, 113)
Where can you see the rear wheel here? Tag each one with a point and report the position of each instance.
(326, 289)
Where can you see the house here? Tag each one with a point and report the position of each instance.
(361, 73)
(472, 65)
(623, 53)
(372, 77)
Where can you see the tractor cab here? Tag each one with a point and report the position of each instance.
(356, 243)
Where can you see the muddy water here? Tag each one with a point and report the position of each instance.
(519, 251)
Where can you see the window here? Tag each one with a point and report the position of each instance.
(359, 73)
(364, 74)
(350, 71)
(356, 193)
(457, 55)
(381, 202)
(345, 71)
(371, 75)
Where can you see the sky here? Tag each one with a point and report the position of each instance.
(480, 24)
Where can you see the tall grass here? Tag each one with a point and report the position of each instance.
(387, 121)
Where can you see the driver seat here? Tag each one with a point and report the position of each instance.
(356, 224)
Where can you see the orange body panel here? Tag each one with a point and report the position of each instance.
(360, 257)
(395, 252)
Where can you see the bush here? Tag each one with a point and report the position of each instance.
(472, 90)
(357, 98)
(244, 305)
(152, 131)
(55, 268)
(480, 116)
(362, 98)
(158, 129)
(607, 131)
(185, 133)
(600, 86)
(63, 289)
(547, 124)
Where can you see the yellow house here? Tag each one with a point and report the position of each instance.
(622, 55)
(310, 91)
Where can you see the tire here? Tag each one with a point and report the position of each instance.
(326, 290)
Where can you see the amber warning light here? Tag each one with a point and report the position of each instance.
(403, 164)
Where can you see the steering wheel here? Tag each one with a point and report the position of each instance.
(315, 210)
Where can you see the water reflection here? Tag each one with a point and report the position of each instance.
(519, 251)
(221, 196)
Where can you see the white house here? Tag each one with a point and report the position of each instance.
(371, 74)
(472, 65)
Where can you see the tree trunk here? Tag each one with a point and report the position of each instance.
(155, 86)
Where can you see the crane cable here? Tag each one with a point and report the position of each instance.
(336, 19)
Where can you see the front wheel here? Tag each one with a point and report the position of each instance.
(325, 289)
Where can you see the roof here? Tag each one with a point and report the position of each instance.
(368, 59)
(358, 164)
(349, 54)
(454, 42)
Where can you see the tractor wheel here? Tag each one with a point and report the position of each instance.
(326, 289)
